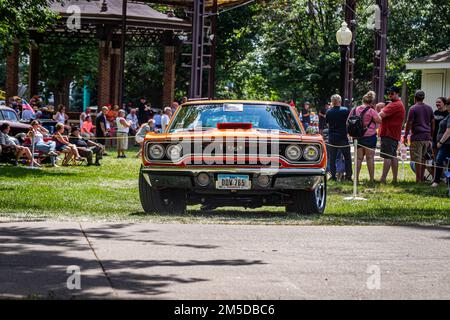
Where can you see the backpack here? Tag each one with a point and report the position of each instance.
(355, 123)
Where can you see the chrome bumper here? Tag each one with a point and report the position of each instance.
(281, 179)
(265, 171)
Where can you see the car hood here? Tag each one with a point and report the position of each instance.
(17, 125)
(238, 133)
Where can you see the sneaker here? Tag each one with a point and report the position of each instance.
(434, 185)
(97, 164)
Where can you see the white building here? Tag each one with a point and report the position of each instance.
(435, 75)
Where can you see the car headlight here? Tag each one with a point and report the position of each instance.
(293, 152)
(156, 152)
(174, 152)
(311, 153)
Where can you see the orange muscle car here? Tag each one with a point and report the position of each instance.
(233, 153)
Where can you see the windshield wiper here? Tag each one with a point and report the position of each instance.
(192, 129)
(280, 131)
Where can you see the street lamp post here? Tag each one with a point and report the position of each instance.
(344, 37)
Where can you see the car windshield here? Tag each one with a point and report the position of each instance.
(207, 116)
(8, 115)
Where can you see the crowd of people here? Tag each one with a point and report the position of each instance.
(54, 135)
(426, 132)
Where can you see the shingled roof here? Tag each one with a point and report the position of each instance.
(209, 3)
(436, 60)
(137, 11)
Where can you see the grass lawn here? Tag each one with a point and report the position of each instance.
(110, 193)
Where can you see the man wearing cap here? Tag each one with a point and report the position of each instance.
(421, 124)
(86, 147)
(306, 115)
(392, 116)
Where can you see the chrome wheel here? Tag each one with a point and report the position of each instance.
(321, 194)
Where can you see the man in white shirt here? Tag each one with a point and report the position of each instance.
(132, 116)
(165, 119)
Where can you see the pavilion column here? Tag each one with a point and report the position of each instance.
(115, 74)
(169, 75)
(33, 71)
(12, 71)
(104, 70)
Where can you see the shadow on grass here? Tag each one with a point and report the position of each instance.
(21, 172)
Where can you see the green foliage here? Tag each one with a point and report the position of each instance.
(289, 47)
(18, 16)
(144, 73)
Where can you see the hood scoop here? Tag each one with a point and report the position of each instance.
(234, 125)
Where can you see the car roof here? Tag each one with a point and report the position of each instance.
(262, 103)
(6, 108)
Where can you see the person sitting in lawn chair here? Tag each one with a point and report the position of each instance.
(63, 145)
(11, 150)
(37, 133)
(86, 147)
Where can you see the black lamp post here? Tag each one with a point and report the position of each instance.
(344, 38)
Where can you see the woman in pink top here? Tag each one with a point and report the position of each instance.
(368, 143)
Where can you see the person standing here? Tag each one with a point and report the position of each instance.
(134, 121)
(61, 116)
(336, 118)
(142, 113)
(101, 130)
(157, 118)
(439, 115)
(421, 124)
(165, 118)
(84, 115)
(123, 128)
(368, 142)
(443, 146)
(306, 115)
(392, 116)
(322, 120)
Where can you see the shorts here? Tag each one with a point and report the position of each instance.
(139, 139)
(368, 142)
(61, 148)
(388, 148)
(418, 150)
(122, 141)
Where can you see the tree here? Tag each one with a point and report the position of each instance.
(17, 17)
(62, 65)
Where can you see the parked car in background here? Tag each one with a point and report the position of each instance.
(234, 153)
(8, 115)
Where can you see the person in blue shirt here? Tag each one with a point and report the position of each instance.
(336, 119)
(157, 119)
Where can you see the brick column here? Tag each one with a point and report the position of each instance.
(169, 75)
(115, 74)
(33, 71)
(12, 71)
(104, 73)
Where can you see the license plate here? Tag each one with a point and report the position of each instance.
(233, 182)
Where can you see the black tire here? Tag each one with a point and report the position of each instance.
(167, 201)
(309, 202)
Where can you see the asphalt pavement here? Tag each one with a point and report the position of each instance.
(203, 261)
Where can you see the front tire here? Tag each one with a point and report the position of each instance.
(165, 201)
(309, 202)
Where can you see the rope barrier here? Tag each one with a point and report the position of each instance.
(382, 153)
